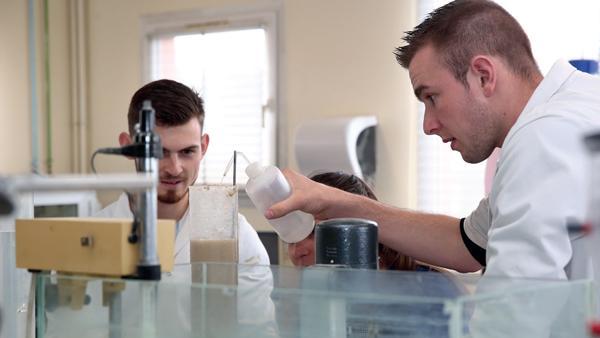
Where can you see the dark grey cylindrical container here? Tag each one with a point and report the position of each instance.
(348, 242)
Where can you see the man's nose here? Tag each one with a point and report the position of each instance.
(431, 125)
(171, 164)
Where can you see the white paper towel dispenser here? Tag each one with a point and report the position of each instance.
(341, 143)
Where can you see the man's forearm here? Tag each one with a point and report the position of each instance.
(431, 238)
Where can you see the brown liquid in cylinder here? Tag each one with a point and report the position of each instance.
(214, 310)
(213, 250)
(219, 251)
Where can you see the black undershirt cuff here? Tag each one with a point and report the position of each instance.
(475, 250)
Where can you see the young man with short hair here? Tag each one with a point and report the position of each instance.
(471, 64)
(179, 123)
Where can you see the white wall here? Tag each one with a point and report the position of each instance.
(338, 61)
(14, 95)
(15, 108)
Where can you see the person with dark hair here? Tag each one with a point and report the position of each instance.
(303, 252)
(471, 64)
(179, 123)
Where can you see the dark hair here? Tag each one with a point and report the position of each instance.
(463, 28)
(389, 258)
(344, 181)
(175, 104)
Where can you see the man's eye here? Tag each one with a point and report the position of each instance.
(430, 98)
(188, 152)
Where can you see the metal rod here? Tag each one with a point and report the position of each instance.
(114, 315)
(234, 165)
(148, 302)
(40, 304)
(30, 183)
(48, 89)
(33, 85)
(147, 207)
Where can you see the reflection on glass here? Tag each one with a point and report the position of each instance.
(271, 301)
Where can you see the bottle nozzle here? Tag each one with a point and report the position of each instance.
(254, 169)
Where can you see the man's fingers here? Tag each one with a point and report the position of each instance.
(303, 193)
(280, 209)
(292, 203)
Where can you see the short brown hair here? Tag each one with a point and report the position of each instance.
(175, 104)
(463, 28)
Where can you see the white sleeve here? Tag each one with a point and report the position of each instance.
(251, 250)
(478, 223)
(538, 188)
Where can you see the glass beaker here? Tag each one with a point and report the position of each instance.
(214, 239)
(214, 226)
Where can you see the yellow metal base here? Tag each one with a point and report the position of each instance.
(93, 246)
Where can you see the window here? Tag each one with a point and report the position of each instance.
(229, 59)
(448, 185)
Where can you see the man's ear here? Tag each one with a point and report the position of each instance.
(124, 139)
(485, 72)
(204, 143)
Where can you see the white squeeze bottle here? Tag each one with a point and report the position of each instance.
(267, 186)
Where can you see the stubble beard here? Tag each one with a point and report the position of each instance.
(171, 196)
(484, 130)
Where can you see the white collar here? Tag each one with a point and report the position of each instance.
(556, 77)
(552, 82)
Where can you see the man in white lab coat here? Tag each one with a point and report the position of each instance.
(179, 123)
(471, 64)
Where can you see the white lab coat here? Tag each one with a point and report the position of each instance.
(541, 181)
(250, 248)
